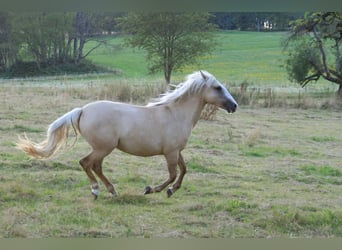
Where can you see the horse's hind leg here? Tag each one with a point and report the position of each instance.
(97, 167)
(94, 162)
(182, 168)
(86, 164)
(171, 165)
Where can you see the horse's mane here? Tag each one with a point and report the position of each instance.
(192, 85)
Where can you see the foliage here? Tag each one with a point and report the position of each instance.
(28, 69)
(44, 36)
(68, 37)
(171, 40)
(9, 46)
(318, 50)
(50, 38)
(299, 63)
(254, 21)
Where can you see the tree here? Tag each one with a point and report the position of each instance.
(8, 45)
(314, 49)
(47, 37)
(171, 40)
(87, 27)
(36, 42)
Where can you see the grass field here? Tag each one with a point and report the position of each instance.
(239, 56)
(259, 173)
(254, 57)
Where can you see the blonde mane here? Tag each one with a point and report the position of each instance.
(194, 84)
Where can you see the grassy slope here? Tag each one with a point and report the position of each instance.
(254, 57)
(251, 56)
(130, 61)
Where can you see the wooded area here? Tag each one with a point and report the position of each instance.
(50, 39)
(36, 41)
(254, 21)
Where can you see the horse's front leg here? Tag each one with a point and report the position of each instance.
(182, 168)
(171, 160)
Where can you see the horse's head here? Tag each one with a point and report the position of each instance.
(217, 94)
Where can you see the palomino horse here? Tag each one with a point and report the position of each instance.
(159, 128)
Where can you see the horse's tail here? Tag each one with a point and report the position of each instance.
(57, 133)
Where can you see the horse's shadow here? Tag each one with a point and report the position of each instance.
(134, 199)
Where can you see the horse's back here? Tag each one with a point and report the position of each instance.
(128, 127)
(99, 123)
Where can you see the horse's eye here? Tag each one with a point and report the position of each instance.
(218, 88)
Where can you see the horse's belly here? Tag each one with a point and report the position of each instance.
(140, 148)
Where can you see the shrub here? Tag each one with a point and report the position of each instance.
(30, 68)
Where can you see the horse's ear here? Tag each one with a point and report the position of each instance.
(204, 76)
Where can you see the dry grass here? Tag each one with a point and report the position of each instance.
(282, 98)
(261, 172)
(209, 112)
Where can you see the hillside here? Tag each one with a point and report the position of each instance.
(255, 57)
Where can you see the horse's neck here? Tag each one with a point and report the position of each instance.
(190, 109)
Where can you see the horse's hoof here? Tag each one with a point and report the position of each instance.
(148, 190)
(169, 192)
(95, 196)
(95, 193)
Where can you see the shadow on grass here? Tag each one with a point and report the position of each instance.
(129, 199)
(137, 200)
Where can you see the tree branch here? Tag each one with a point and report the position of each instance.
(308, 79)
(92, 49)
(336, 74)
(337, 80)
(321, 49)
(337, 60)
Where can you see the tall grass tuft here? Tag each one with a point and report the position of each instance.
(209, 112)
(121, 91)
(270, 97)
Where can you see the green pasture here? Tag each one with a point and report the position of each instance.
(258, 173)
(255, 58)
(239, 56)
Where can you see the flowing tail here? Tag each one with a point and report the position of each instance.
(57, 133)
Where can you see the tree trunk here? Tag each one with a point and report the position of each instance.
(75, 54)
(167, 74)
(168, 79)
(168, 58)
(80, 49)
(339, 91)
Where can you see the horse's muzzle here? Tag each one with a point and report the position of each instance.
(230, 107)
